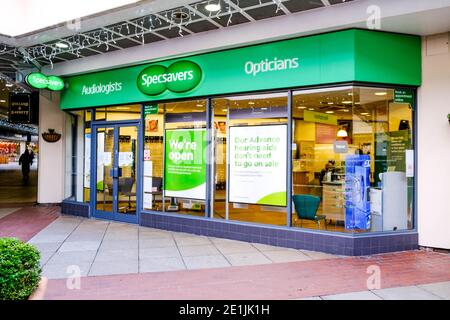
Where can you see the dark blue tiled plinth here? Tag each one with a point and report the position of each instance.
(341, 244)
(73, 208)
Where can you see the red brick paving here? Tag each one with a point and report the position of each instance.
(27, 222)
(274, 281)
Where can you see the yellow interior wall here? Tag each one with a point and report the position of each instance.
(397, 112)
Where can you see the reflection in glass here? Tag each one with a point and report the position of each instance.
(349, 158)
(255, 116)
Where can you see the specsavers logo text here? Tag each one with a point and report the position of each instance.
(180, 76)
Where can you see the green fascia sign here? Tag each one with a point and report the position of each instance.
(335, 57)
(40, 81)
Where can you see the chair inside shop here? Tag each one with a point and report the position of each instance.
(306, 207)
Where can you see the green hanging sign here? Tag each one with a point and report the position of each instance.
(40, 81)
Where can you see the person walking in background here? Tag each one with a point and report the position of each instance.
(25, 161)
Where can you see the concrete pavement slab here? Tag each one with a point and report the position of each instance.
(247, 258)
(203, 262)
(286, 255)
(165, 252)
(440, 289)
(79, 246)
(199, 250)
(405, 293)
(360, 295)
(116, 267)
(161, 264)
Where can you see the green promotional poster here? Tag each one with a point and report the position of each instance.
(185, 164)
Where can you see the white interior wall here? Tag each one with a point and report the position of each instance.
(434, 144)
(80, 158)
(51, 155)
(68, 156)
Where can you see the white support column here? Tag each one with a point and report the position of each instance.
(51, 155)
(434, 143)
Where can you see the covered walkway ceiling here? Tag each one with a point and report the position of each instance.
(135, 24)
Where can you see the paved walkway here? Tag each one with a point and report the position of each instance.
(432, 291)
(106, 248)
(292, 280)
(12, 190)
(123, 261)
(26, 222)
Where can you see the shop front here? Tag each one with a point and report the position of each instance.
(305, 143)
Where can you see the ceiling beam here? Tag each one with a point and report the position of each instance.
(240, 10)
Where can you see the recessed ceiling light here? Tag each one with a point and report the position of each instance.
(329, 112)
(350, 93)
(347, 102)
(380, 93)
(330, 103)
(213, 7)
(62, 45)
(224, 110)
(199, 105)
(2, 101)
(263, 108)
(311, 109)
(9, 85)
(251, 102)
(301, 107)
(346, 110)
(364, 113)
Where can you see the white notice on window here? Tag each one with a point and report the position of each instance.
(409, 163)
(148, 199)
(125, 159)
(148, 168)
(148, 183)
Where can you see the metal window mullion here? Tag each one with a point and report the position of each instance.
(227, 167)
(208, 159)
(289, 177)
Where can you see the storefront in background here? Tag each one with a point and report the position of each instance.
(305, 143)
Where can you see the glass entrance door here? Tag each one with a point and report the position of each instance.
(115, 184)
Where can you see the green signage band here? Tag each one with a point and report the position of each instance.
(181, 76)
(40, 81)
(362, 56)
